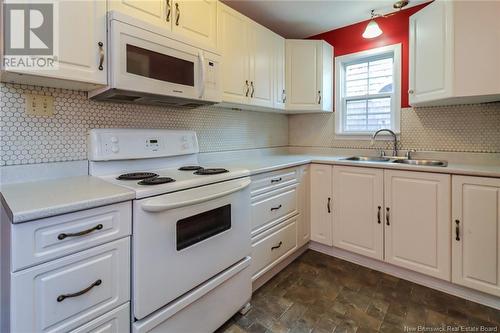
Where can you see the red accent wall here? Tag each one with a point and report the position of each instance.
(395, 30)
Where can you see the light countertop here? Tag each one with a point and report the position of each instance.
(268, 163)
(38, 199)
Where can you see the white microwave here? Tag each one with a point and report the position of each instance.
(147, 67)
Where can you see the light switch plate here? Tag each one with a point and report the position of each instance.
(39, 105)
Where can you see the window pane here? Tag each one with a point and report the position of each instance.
(381, 67)
(379, 85)
(357, 71)
(367, 115)
(356, 88)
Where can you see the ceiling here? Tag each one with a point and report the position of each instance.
(305, 18)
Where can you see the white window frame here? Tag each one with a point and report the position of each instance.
(340, 101)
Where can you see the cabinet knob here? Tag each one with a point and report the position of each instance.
(410, 91)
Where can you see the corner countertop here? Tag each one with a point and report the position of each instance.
(39, 199)
(268, 163)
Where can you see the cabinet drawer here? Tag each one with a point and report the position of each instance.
(270, 181)
(272, 207)
(114, 321)
(54, 237)
(276, 245)
(41, 299)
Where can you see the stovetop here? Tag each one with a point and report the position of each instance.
(171, 179)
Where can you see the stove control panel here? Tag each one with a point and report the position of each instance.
(123, 144)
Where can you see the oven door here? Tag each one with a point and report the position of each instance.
(182, 239)
(144, 61)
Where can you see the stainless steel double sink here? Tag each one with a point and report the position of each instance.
(383, 159)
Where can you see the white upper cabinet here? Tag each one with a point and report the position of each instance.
(309, 76)
(82, 46)
(248, 51)
(261, 54)
(279, 73)
(476, 233)
(452, 57)
(321, 204)
(358, 210)
(417, 218)
(234, 48)
(196, 20)
(157, 12)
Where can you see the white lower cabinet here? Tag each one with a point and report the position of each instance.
(304, 225)
(417, 218)
(272, 246)
(114, 321)
(280, 221)
(357, 210)
(476, 233)
(66, 293)
(321, 204)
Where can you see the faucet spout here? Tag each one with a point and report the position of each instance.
(394, 136)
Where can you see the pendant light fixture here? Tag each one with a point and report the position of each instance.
(373, 30)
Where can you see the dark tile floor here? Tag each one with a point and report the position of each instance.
(318, 293)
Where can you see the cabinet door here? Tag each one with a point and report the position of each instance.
(82, 44)
(417, 231)
(357, 210)
(431, 53)
(233, 45)
(304, 227)
(261, 65)
(197, 20)
(321, 203)
(476, 233)
(279, 73)
(157, 12)
(326, 77)
(302, 75)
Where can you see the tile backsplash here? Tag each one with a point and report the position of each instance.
(460, 128)
(26, 139)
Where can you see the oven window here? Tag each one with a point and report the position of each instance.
(194, 229)
(159, 66)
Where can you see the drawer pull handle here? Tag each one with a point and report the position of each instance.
(328, 205)
(277, 246)
(61, 298)
(276, 180)
(378, 215)
(275, 208)
(457, 230)
(387, 221)
(101, 55)
(81, 233)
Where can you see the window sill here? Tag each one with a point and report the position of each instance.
(365, 136)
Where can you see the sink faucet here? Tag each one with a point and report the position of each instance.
(395, 139)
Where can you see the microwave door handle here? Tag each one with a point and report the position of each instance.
(202, 76)
(156, 205)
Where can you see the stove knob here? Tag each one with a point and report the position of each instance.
(114, 139)
(185, 146)
(115, 149)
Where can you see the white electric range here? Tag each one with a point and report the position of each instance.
(191, 228)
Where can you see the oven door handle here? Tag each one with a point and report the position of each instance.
(155, 205)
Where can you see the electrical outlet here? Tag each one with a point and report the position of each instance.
(39, 105)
